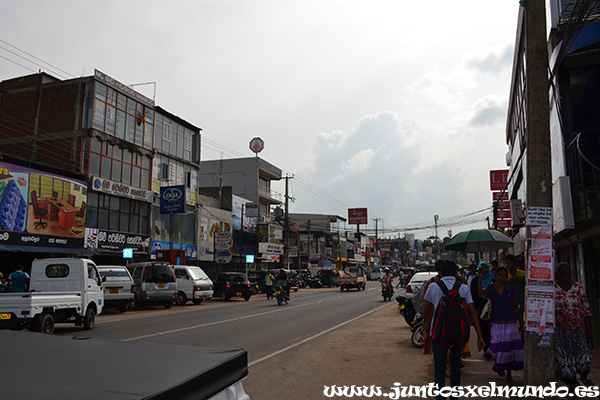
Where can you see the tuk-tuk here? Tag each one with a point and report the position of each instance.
(329, 277)
(257, 279)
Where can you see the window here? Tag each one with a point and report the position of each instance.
(57, 271)
(165, 172)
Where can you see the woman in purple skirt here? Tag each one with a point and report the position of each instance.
(506, 347)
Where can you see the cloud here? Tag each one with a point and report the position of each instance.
(491, 62)
(488, 110)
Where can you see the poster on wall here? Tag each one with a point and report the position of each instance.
(240, 212)
(39, 208)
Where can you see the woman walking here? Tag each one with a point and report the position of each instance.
(573, 331)
(506, 346)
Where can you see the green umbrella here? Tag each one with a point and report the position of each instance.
(478, 241)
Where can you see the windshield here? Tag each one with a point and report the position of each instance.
(114, 274)
(160, 274)
(197, 273)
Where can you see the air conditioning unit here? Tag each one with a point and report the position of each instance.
(517, 215)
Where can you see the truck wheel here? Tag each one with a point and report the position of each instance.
(246, 297)
(122, 307)
(168, 304)
(197, 301)
(47, 324)
(181, 299)
(89, 319)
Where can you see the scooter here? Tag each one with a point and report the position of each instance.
(281, 295)
(386, 291)
(406, 308)
(418, 332)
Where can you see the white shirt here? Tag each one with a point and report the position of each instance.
(434, 294)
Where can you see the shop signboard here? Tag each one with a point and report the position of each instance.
(41, 209)
(172, 199)
(191, 250)
(111, 241)
(122, 190)
(498, 179)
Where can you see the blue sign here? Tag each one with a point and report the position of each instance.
(127, 253)
(250, 258)
(172, 199)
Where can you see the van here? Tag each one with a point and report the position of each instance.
(117, 284)
(192, 284)
(153, 283)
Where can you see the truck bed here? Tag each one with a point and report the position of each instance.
(14, 302)
(78, 368)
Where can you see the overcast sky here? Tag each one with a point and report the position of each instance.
(397, 106)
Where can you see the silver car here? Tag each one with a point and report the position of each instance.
(117, 284)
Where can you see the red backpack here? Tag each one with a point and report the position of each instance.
(451, 323)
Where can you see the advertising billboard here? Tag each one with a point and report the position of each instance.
(41, 209)
(357, 216)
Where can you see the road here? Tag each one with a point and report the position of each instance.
(259, 326)
(290, 343)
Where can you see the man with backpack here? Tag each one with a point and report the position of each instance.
(448, 313)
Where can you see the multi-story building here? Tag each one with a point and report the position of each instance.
(98, 153)
(250, 179)
(176, 162)
(574, 52)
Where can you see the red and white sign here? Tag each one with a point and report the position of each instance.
(496, 196)
(504, 223)
(257, 145)
(498, 179)
(357, 216)
(503, 214)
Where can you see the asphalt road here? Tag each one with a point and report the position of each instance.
(259, 326)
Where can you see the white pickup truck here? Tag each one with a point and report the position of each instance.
(60, 290)
(352, 277)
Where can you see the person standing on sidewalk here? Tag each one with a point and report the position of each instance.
(573, 331)
(433, 297)
(506, 347)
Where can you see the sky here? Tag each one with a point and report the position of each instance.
(396, 106)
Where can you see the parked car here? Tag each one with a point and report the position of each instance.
(192, 284)
(117, 284)
(416, 282)
(232, 284)
(153, 283)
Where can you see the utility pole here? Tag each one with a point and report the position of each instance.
(286, 225)
(539, 367)
(376, 237)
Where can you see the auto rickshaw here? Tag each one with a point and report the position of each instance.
(329, 277)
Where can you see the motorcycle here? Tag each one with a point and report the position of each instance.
(386, 290)
(314, 282)
(406, 308)
(281, 295)
(418, 332)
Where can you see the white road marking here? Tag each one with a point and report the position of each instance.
(313, 337)
(215, 323)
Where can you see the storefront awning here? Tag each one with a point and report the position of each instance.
(45, 249)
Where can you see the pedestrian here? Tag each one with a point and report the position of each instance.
(494, 266)
(401, 279)
(433, 298)
(478, 301)
(269, 281)
(573, 328)
(472, 273)
(18, 280)
(516, 278)
(506, 346)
